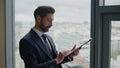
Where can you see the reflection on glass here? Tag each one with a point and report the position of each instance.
(71, 26)
(115, 45)
(112, 2)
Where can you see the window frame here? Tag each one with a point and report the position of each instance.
(10, 33)
(98, 10)
(106, 40)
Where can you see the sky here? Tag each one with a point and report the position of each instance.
(66, 10)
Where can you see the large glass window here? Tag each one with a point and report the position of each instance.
(71, 26)
(115, 44)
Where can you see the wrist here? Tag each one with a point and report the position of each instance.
(71, 56)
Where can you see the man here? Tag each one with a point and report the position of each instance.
(37, 49)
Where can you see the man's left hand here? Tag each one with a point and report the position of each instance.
(74, 53)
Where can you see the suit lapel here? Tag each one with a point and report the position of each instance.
(39, 42)
(52, 45)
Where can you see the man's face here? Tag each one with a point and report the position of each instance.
(46, 22)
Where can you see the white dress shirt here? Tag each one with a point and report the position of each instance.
(40, 34)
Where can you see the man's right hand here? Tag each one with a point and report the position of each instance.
(61, 56)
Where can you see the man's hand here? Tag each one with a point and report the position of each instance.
(74, 53)
(61, 56)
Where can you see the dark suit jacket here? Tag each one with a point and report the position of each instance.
(34, 54)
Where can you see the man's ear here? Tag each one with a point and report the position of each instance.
(38, 18)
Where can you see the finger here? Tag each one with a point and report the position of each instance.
(59, 54)
(66, 52)
(76, 53)
(73, 47)
(63, 53)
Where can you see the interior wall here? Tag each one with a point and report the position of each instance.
(2, 34)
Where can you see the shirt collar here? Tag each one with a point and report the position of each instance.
(38, 32)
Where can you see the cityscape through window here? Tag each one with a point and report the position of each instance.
(71, 26)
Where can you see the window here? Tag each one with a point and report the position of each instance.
(104, 19)
(115, 44)
(112, 2)
(71, 26)
(108, 2)
(100, 57)
(102, 16)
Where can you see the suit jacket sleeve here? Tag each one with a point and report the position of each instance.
(67, 59)
(27, 54)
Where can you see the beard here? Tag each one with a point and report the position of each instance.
(43, 27)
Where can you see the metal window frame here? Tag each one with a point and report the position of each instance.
(106, 40)
(98, 12)
(10, 33)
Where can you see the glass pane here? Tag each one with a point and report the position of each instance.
(71, 26)
(115, 45)
(112, 2)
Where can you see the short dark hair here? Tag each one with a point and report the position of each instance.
(43, 11)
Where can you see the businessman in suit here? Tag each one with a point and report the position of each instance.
(37, 49)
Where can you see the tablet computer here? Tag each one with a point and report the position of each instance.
(79, 47)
